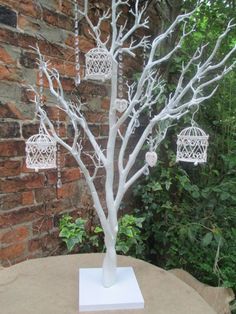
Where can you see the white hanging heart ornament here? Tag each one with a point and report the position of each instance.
(151, 158)
(121, 105)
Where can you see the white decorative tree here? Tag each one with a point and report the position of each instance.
(124, 114)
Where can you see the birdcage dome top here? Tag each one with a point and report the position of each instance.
(41, 138)
(98, 64)
(193, 132)
(97, 51)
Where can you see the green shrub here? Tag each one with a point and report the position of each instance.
(129, 238)
(188, 225)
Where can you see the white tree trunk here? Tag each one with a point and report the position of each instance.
(109, 262)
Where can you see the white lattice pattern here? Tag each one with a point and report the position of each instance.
(192, 145)
(98, 63)
(41, 152)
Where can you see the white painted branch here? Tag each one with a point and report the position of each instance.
(53, 74)
(96, 29)
(76, 154)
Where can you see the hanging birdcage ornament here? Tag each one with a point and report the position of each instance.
(41, 151)
(192, 145)
(41, 148)
(98, 63)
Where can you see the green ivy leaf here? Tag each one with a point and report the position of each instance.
(206, 240)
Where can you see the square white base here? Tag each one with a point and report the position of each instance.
(124, 294)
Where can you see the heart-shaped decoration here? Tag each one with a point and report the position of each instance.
(151, 158)
(121, 105)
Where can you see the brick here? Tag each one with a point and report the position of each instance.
(92, 90)
(29, 129)
(67, 190)
(50, 17)
(95, 129)
(66, 6)
(8, 16)
(58, 20)
(27, 198)
(30, 8)
(52, 112)
(9, 130)
(51, 177)
(68, 84)
(33, 181)
(70, 161)
(70, 40)
(85, 45)
(7, 36)
(29, 182)
(10, 110)
(45, 194)
(27, 25)
(65, 23)
(48, 242)
(28, 60)
(9, 201)
(26, 7)
(19, 216)
(96, 117)
(105, 103)
(69, 69)
(12, 148)
(62, 129)
(16, 234)
(13, 251)
(72, 174)
(45, 224)
(5, 57)
(104, 129)
(26, 94)
(10, 168)
(10, 73)
(26, 40)
(58, 65)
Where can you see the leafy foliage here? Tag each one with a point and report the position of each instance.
(190, 226)
(129, 238)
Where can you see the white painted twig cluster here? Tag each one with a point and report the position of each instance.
(141, 96)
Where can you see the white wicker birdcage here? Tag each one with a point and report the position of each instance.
(41, 151)
(98, 63)
(192, 145)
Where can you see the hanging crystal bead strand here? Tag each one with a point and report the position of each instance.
(151, 155)
(40, 85)
(59, 182)
(77, 53)
(120, 76)
(121, 103)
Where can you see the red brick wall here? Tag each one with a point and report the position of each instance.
(30, 203)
